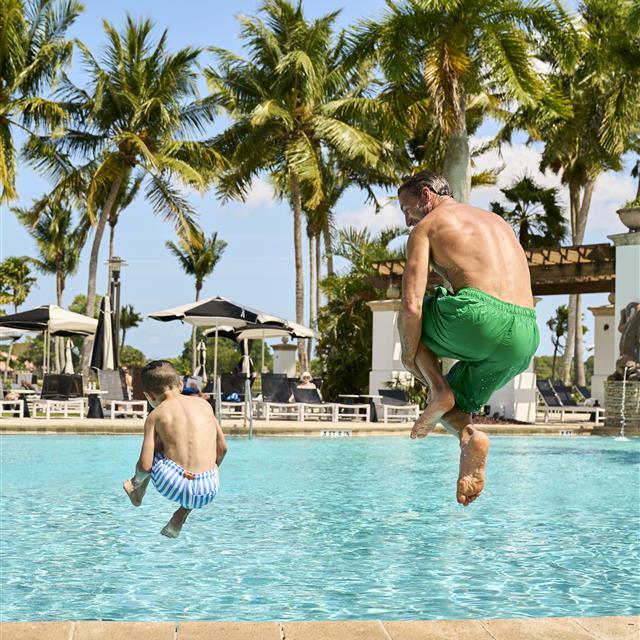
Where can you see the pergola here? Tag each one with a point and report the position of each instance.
(589, 268)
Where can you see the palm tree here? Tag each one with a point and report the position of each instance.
(197, 258)
(32, 52)
(292, 101)
(536, 217)
(59, 243)
(15, 280)
(603, 87)
(558, 325)
(443, 58)
(129, 319)
(139, 113)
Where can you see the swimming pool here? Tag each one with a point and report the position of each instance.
(312, 529)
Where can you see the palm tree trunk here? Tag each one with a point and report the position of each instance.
(457, 159)
(58, 341)
(112, 234)
(318, 276)
(328, 253)
(124, 333)
(567, 358)
(553, 362)
(296, 200)
(312, 290)
(194, 354)
(579, 351)
(93, 269)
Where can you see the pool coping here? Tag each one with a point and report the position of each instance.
(280, 428)
(596, 628)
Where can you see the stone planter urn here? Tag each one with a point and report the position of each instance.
(630, 217)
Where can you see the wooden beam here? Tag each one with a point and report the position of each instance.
(560, 288)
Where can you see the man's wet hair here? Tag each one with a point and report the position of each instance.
(158, 376)
(429, 179)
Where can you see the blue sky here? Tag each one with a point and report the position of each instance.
(257, 267)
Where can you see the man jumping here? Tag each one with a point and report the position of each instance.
(488, 323)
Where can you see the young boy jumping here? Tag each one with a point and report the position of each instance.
(182, 449)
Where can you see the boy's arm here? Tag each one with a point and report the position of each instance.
(145, 462)
(414, 284)
(221, 443)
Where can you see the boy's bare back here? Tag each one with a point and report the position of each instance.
(187, 432)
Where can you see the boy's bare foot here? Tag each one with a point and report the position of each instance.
(439, 403)
(173, 528)
(132, 492)
(474, 449)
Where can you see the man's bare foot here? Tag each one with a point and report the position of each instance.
(474, 449)
(438, 404)
(132, 492)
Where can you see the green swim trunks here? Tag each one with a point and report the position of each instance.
(493, 341)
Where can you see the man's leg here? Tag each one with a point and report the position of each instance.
(174, 526)
(474, 449)
(441, 398)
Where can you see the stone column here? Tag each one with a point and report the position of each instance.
(284, 359)
(386, 358)
(627, 275)
(605, 348)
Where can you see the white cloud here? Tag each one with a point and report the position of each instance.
(611, 190)
(366, 216)
(260, 195)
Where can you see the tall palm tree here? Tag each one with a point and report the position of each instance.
(139, 112)
(603, 87)
(33, 50)
(198, 257)
(292, 100)
(446, 57)
(536, 215)
(129, 319)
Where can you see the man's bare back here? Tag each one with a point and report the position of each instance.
(186, 430)
(470, 247)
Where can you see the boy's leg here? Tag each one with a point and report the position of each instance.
(441, 398)
(174, 526)
(474, 449)
(136, 486)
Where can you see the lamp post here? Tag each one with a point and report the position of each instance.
(115, 266)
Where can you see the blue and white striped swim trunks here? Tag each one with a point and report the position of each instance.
(189, 490)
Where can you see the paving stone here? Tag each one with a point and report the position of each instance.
(437, 630)
(537, 629)
(35, 630)
(613, 628)
(229, 631)
(347, 630)
(97, 630)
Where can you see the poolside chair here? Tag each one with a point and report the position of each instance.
(561, 402)
(12, 406)
(394, 405)
(584, 391)
(62, 393)
(312, 406)
(232, 391)
(276, 392)
(116, 400)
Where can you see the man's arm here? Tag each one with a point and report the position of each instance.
(414, 285)
(221, 444)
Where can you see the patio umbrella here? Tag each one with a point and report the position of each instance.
(216, 312)
(104, 355)
(68, 361)
(52, 320)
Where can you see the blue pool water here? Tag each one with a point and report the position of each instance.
(314, 529)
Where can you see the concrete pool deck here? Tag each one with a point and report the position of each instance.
(608, 628)
(286, 428)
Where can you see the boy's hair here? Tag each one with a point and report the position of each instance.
(429, 179)
(159, 375)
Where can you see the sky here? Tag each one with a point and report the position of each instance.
(257, 268)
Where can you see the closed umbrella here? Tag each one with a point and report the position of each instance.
(68, 362)
(201, 370)
(104, 354)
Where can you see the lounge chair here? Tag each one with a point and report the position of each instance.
(233, 391)
(12, 406)
(61, 393)
(116, 400)
(560, 401)
(584, 392)
(313, 407)
(276, 391)
(394, 405)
